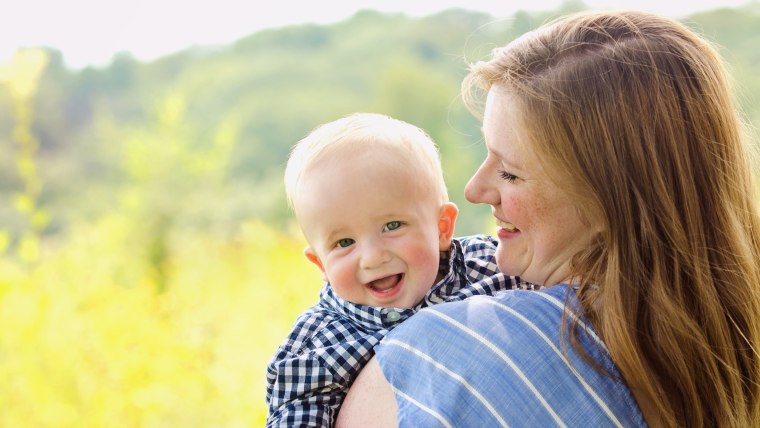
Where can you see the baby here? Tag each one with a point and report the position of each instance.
(369, 195)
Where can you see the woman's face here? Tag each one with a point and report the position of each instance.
(539, 227)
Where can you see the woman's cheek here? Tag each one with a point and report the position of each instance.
(513, 208)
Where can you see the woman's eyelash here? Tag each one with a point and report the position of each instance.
(507, 176)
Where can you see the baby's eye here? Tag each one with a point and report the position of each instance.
(391, 225)
(507, 176)
(345, 242)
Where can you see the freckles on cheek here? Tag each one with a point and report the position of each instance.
(510, 204)
(518, 210)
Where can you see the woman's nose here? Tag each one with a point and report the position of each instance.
(479, 190)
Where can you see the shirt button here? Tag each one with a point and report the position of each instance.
(393, 316)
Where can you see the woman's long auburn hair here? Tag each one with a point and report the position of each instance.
(632, 114)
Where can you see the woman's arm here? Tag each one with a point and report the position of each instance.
(370, 401)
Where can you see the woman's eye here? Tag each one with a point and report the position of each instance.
(507, 176)
(391, 225)
(345, 242)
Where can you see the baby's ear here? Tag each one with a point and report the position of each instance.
(447, 218)
(314, 258)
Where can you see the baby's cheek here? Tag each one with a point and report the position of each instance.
(342, 276)
(425, 259)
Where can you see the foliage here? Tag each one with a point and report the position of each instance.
(94, 342)
(148, 263)
(21, 77)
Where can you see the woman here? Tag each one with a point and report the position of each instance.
(620, 180)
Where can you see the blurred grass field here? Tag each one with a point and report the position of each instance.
(90, 341)
(139, 315)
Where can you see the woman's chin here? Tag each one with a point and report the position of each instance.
(506, 262)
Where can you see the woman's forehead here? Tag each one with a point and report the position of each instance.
(502, 128)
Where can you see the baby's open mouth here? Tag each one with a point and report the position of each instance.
(386, 284)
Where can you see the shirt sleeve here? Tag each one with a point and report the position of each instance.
(301, 392)
(310, 374)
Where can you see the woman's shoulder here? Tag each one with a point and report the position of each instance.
(515, 326)
(503, 360)
(544, 307)
(551, 298)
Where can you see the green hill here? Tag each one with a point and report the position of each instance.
(201, 136)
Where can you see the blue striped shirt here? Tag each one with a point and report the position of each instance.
(498, 361)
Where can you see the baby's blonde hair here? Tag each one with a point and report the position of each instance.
(365, 131)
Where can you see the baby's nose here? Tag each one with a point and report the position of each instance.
(374, 256)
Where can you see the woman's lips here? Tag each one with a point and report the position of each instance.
(506, 229)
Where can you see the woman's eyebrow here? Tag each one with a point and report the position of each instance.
(509, 162)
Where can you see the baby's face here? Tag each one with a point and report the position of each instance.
(371, 231)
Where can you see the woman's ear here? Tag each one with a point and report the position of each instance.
(447, 218)
(314, 258)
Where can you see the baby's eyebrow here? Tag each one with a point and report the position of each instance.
(335, 235)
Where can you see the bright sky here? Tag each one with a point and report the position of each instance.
(90, 32)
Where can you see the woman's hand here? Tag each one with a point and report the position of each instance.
(370, 401)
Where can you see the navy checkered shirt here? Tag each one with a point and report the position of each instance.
(330, 343)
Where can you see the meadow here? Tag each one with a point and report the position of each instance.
(131, 318)
(90, 340)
